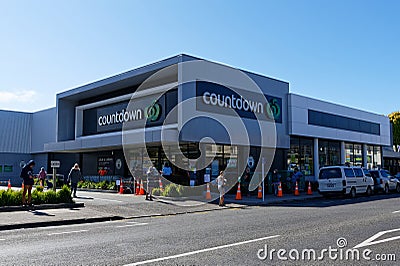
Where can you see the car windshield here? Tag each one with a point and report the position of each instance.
(385, 173)
(330, 173)
(374, 174)
(366, 172)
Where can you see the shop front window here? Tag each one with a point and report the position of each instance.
(329, 153)
(300, 155)
(354, 155)
(374, 157)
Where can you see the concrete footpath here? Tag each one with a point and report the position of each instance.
(101, 207)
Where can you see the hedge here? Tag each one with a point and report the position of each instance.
(14, 197)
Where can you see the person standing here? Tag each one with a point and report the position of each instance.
(27, 176)
(42, 176)
(152, 174)
(276, 179)
(296, 178)
(74, 177)
(221, 182)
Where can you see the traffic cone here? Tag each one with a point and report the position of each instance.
(141, 191)
(208, 192)
(309, 190)
(121, 188)
(280, 194)
(137, 187)
(22, 185)
(238, 193)
(160, 183)
(9, 184)
(296, 190)
(259, 194)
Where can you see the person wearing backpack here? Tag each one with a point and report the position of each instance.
(27, 176)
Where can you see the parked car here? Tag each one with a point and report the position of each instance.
(344, 180)
(383, 181)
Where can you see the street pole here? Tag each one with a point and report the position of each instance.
(263, 178)
(54, 179)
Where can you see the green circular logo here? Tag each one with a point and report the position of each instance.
(274, 110)
(153, 111)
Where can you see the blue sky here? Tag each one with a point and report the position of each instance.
(341, 51)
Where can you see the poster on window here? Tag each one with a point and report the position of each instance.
(105, 166)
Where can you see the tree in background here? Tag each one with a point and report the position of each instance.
(395, 119)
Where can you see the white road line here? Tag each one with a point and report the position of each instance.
(69, 232)
(200, 251)
(396, 212)
(119, 201)
(370, 241)
(130, 225)
(2, 239)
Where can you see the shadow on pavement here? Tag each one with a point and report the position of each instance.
(335, 201)
(39, 213)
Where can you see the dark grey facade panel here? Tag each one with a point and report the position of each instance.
(318, 118)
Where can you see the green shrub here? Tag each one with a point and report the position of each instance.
(156, 192)
(172, 190)
(64, 195)
(50, 197)
(39, 188)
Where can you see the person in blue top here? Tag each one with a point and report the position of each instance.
(296, 177)
(27, 176)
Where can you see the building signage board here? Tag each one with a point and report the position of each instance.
(215, 98)
(55, 164)
(147, 110)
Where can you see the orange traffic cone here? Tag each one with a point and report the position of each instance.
(137, 187)
(9, 184)
(22, 185)
(309, 190)
(259, 194)
(280, 194)
(208, 192)
(141, 191)
(160, 183)
(121, 188)
(238, 193)
(296, 190)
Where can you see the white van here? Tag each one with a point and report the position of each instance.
(344, 180)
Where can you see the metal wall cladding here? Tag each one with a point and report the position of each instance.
(15, 132)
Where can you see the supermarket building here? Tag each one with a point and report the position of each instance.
(86, 126)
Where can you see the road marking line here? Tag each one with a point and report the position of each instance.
(396, 212)
(2, 239)
(119, 201)
(130, 225)
(69, 232)
(200, 251)
(370, 241)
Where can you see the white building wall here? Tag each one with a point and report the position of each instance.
(298, 121)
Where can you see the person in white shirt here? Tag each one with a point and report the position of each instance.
(221, 182)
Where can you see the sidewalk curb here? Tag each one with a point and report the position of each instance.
(58, 223)
(43, 207)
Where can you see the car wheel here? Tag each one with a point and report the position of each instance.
(369, 191)
(398, 188)
(386, 189)
(353, 193)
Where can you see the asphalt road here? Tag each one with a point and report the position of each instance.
(223, 237)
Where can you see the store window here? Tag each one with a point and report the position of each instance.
(300, 155)
(354, 155)
(329, 153)
(374, 157)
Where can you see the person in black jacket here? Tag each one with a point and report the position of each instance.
(74, 177)
(27, 176)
